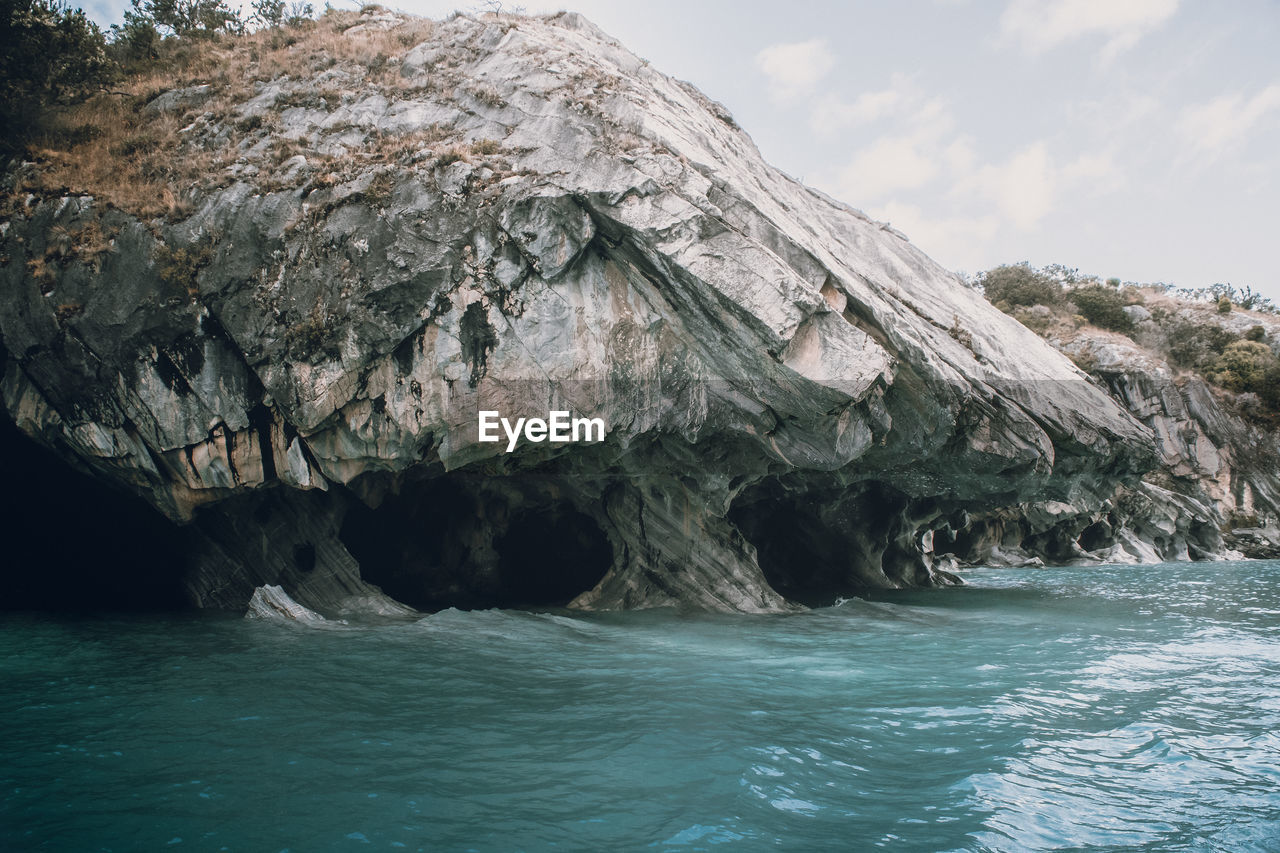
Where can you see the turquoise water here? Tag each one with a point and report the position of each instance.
(1110, 708)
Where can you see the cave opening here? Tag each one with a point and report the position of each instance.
(973, 539)
(818, 545)
(474, 542)
(73, 544)
(1097, 535)
(799, 559)
(304, 558)
(548, 556)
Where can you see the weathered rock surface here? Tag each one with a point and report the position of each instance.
(272, 602)
(1214, 465)
(799, 403)
(1258, 543)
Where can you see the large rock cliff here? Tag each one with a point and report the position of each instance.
(519, 215)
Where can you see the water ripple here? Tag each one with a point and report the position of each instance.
(1132, 708)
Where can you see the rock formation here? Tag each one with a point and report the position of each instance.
(519, 215)
(272, 602)
(1214, 467)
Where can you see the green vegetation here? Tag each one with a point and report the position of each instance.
(1196, 346)
(1102, 306)
(277, 13)
(48, 54)
(1247, 366)
(1019, 284)
(113, 144)
(52, 55)
(1190, 329)
(147, 22)
(1244, 298)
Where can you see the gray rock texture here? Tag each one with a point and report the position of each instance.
(1215, 467)
(273, 603)
(799, 403)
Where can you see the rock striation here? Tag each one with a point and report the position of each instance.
(798, 402)
(273, 603)
(1215, 467)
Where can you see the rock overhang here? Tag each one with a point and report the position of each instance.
(620, 251)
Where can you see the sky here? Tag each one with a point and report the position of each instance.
(1138, 139)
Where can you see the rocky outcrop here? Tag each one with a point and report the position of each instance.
(274, 604)
(798, 403)
(1215, 470)
(1256, 543)
(1215, 467)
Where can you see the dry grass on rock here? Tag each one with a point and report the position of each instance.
(152, 164)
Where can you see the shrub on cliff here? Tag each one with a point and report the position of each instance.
(1196, 346)
(1270, 392)
(1244, 366)
(1102, 306)
(1019, 284)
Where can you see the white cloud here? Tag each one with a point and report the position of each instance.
(1098, 170)
(1028, 186)
(1023, 189)
(960, 156)
(1211, 127)
(889, 164)
(795, 68)
(1040, 25)
(918, 149)
(957, 242)
(1116, 109)
(902, 100)
(933, 116)
(831, 115)
(986, 199)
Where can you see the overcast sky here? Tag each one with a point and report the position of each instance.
(1129, 138)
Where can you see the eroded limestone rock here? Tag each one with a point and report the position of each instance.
(799, 402)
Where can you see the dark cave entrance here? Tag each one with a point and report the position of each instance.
(548, 557)
(800, 559)
(1097, 535)
(74, 544)
(817, 546)
(472, 542)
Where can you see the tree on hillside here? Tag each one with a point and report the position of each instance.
(186, 17)
(48, 53)
(148, 22)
